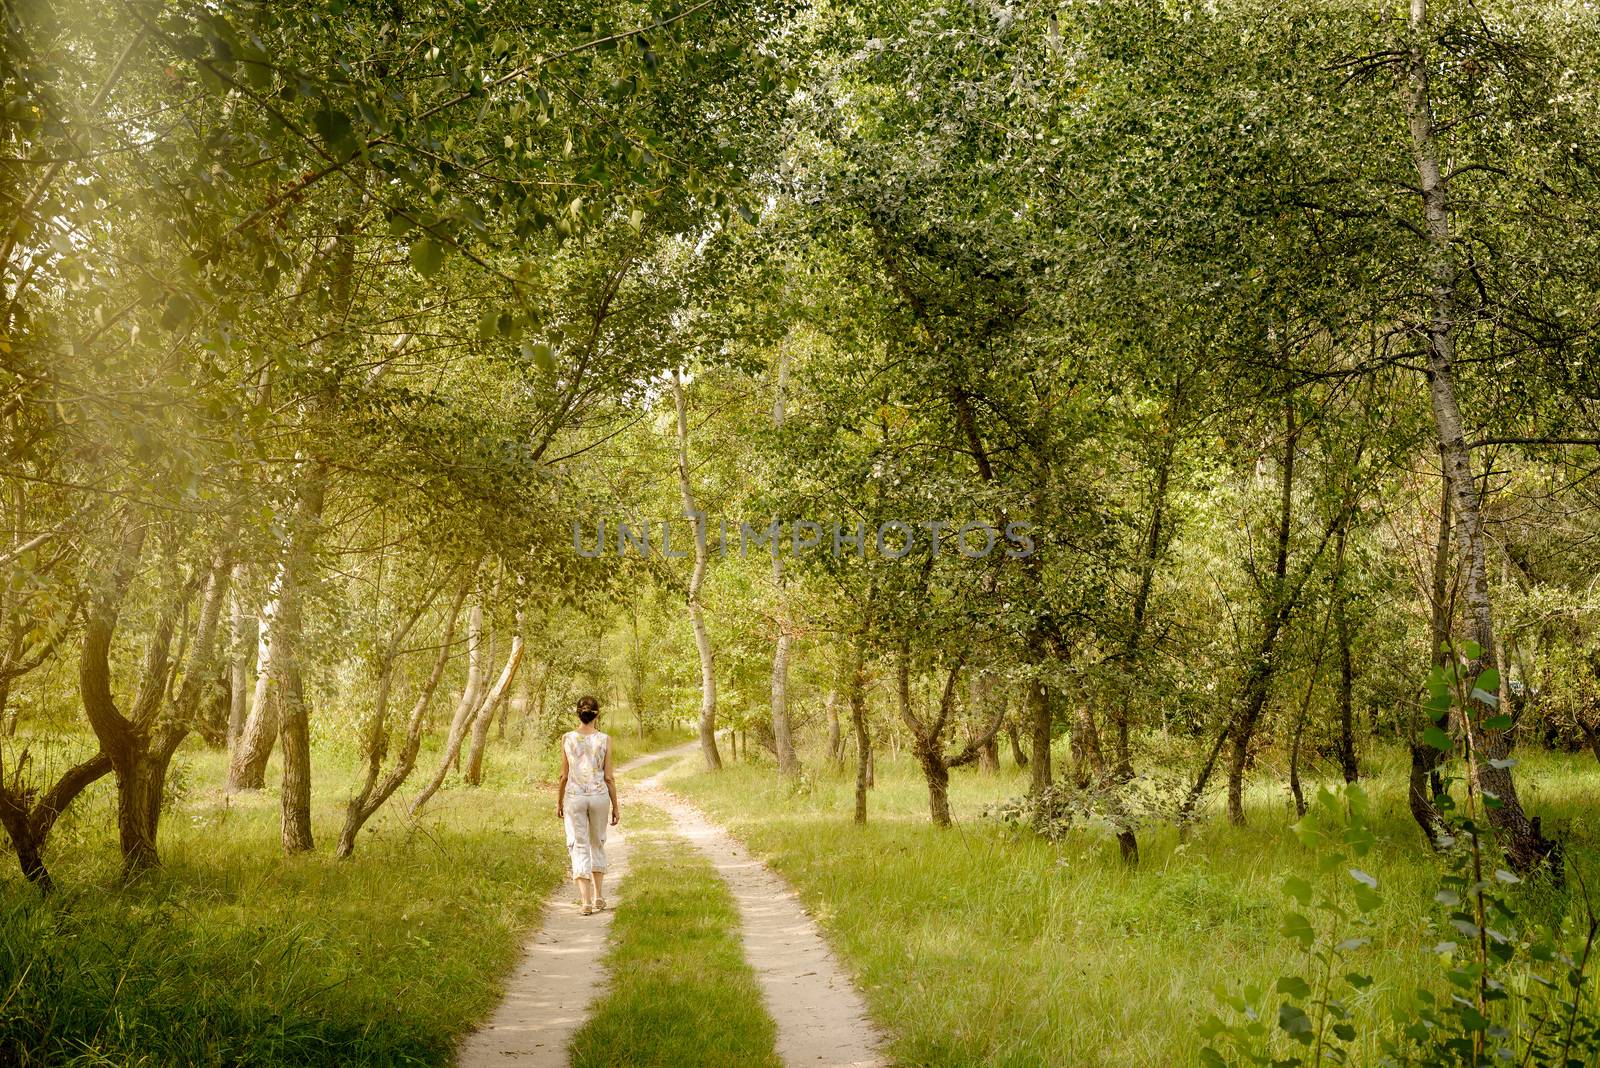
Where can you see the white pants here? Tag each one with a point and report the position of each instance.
(587, 817)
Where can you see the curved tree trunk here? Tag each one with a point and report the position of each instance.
(1151, 556)
(491, 701)
(375, 791)
(29, 827)
(247, 765)
(466, 708)
(1275, 614)
(139, 745)
(702, 638)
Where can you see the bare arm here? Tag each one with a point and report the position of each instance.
(611, 788)
(561, 786)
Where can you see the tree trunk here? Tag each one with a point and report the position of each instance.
(983, 697)
(1305, 702)
(782, 740)
(858, 720)
(247, 765)
(1425, 759)
(375, 791)
(521, 705)
(989, 757)
(938, 778)
(702, 638)
(1592, 736)
(1088, 759)
(1525, 846)
(138, 810)
(835, 742)
(1341, 626)
(489, 655)
(1040, 723)
(294, 721)
(139, 765)
(480, 725)
(466, 708)
(1276, 607)
(29, 827)
(242, 639)
(1141, 601)
(1018, 756)
(924, 741)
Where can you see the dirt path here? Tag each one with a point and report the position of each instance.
(821, 1019)
(548, 995)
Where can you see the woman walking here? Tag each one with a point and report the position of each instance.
(586, 800)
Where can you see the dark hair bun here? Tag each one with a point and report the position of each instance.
(588, 709)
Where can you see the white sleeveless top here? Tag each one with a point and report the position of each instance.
(586, 761)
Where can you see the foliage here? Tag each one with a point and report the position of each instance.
(1513, 991)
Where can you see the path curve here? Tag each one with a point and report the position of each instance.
(821, 1019)
(560, 974)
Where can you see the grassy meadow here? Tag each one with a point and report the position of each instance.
(984, 945)
(232, 954)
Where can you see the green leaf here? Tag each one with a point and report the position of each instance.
(1298, 928)
(177, 312)
(1489, 681)
(1294, 986)
(539, 352)
(427, 256)
(1437, 738)
(1501, 722)
(1295, 1022)
(334, 127)
(1298, 888)
(1472, 649)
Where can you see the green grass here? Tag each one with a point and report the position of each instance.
(681, 992)
(234, 954)
(982, 945)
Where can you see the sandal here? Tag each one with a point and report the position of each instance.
(599, 904)
(588, 910)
